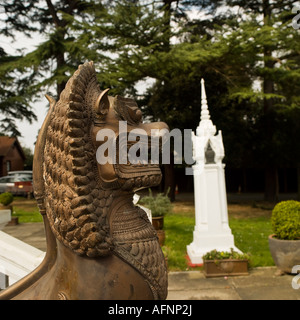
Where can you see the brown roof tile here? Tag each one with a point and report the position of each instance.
(6, 143)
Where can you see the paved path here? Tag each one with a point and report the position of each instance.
(261, 284)
(31, 233)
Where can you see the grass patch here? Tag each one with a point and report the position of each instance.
(250, 235)
(179, 233)
(26, 210)
(27, 216)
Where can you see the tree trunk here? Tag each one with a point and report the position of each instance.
(271, 172)
(60, 25)
(169, 178)
(298, 180)
(167, 24)
(271, 184)
(244, 188)
(60, 59)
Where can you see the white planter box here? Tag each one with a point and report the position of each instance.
(17, 258)
(5, 217)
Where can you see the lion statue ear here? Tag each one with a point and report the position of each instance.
(102, 103)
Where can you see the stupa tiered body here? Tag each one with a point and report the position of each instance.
(211, 215)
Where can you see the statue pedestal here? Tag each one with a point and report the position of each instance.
(211, 230)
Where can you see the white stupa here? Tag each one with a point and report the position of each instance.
(211, 226)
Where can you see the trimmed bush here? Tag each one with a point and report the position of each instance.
(159, 205)
(6, 198)
(286, 220)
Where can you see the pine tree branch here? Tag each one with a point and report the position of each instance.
(56, 20)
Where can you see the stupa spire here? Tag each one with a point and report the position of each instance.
(204, 106)
(206, 127)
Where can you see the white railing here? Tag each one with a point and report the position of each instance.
(17, 259)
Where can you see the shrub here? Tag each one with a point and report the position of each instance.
(6, 198)
(159, 205)
(286, 220)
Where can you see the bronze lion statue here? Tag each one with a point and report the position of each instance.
(99, 244)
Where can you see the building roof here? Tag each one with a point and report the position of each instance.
(6, 143)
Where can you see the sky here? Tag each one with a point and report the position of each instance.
(30, 131)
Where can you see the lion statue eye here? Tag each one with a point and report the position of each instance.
(135, 114)
(127, 110)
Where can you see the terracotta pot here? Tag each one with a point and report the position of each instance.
(226, 267)
(158, 222)
(161, 237)
(13, 222)
(285, 253)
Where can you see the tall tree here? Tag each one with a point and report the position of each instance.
(47, 67)
(259, 64)
(14, 100)
(63, 45)
(275, 48)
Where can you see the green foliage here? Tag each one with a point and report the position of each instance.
(6, 198)
(221, 255)
(14, 97)
(28, 164)
(160, 205)
(286, 220)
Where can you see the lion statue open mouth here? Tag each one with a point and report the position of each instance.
(99, 245)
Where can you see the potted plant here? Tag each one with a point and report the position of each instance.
(160, 205)
(284, 244)
(222, 263)
(6, 199)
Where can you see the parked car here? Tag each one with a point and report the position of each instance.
(21, 173)
(16, 184)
